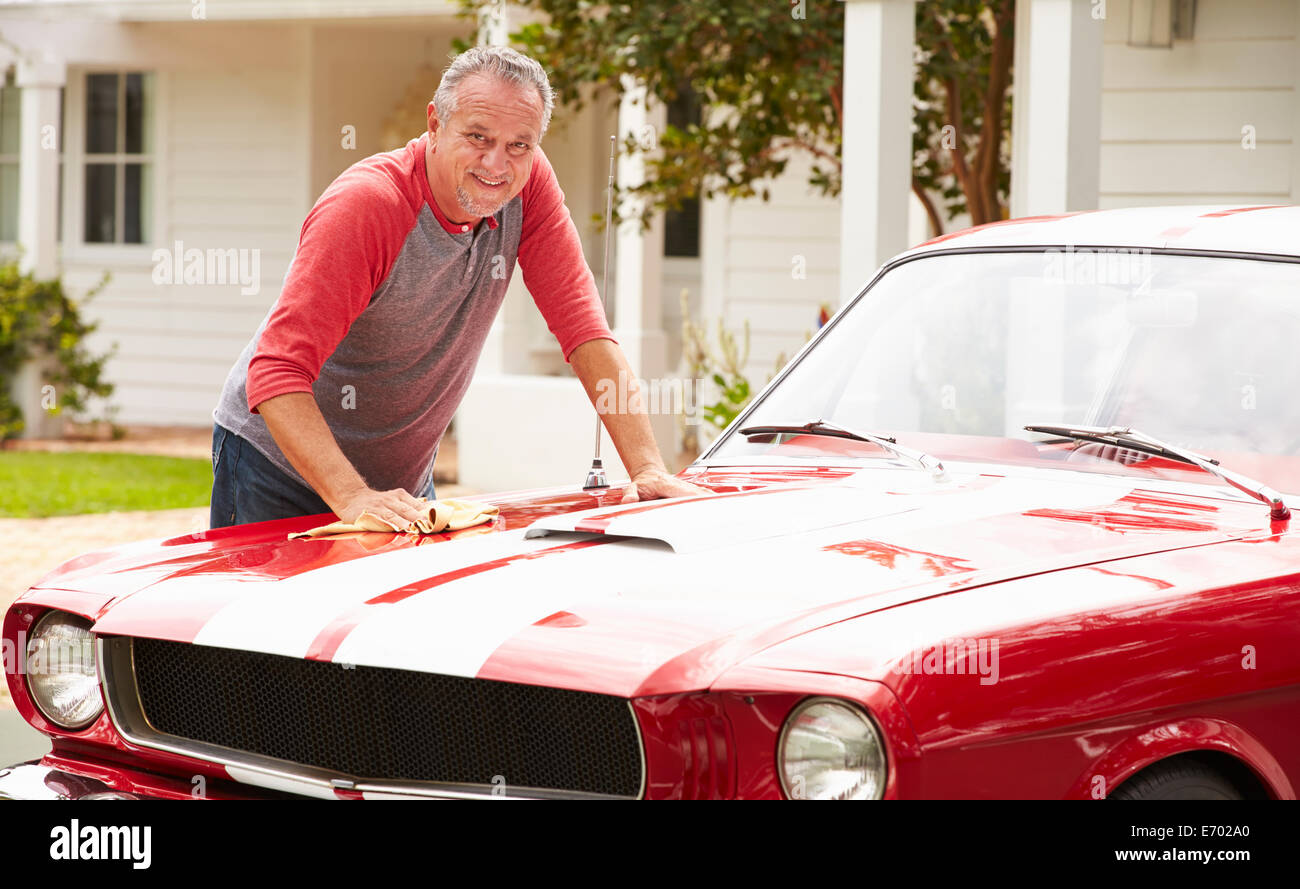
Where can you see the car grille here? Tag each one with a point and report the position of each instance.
(384, 724)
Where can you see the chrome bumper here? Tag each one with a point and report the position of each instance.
(33, 781)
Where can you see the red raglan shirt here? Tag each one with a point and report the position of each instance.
(386, 307)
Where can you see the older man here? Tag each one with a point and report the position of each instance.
(340, 399)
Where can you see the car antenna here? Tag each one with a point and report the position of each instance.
(596, 479)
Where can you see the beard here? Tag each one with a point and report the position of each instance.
(480, 206)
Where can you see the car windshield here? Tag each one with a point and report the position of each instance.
(954, 354)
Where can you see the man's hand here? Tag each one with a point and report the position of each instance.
(653, 484)
(397, 507)
(299, 429)
(597, 363)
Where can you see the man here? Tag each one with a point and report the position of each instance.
(338, 402)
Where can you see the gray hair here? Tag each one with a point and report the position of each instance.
(499, 61)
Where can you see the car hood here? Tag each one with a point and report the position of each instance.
(634, 599)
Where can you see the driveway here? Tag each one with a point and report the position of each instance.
(19, 742)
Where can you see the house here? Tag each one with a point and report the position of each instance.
(179, 144)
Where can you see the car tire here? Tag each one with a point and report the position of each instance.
(1178, 781)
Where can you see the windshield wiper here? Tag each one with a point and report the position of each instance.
(820, 427)
(1132, 439)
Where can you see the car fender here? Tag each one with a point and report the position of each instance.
(1161, 740)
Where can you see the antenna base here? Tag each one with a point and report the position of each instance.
(596, 476)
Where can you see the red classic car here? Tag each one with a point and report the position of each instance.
(1008, 526)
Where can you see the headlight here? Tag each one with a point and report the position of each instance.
(61, 674)
(830, 749)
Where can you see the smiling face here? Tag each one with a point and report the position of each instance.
(480, 157)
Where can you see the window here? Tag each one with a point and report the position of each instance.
(118, 182)
(10, 117)
(682, 226)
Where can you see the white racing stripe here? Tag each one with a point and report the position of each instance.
(285, 616)
(453, 629)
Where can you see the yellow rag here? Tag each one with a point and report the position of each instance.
(440, 515)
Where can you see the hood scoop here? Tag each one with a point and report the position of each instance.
(694, 524)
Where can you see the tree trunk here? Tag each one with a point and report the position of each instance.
(931, 211)
(989, 160)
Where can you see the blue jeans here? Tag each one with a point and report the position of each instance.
(247, 487)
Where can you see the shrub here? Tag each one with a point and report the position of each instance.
(38, 317)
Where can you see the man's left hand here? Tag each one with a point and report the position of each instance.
(653, 484)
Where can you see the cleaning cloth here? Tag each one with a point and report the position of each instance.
(439, 515)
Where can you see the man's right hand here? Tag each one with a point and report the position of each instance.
(397, 507)
(299, 429)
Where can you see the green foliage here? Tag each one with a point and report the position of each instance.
(34, 484)
(735, 395)
(723, 365)
(772, 74)
(772, 79)
(39, 318)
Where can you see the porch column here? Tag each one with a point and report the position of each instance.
(38, 164)
(637, 280)
(493, 28)
(638, 271)
(1056, 117)
(506, 344)
(877, 136)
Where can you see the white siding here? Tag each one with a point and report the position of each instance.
(231, 174)
(1172, 119)
(679, 273)
(751, 252)
(249, 121)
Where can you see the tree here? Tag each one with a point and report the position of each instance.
(772, 76)
(962, 107)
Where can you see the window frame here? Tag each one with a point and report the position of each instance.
(7, 81)
(74, 158)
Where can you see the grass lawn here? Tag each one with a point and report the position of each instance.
(34, 484)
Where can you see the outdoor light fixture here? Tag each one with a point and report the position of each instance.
(1159, 23)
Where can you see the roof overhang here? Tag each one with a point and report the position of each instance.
(223, 10)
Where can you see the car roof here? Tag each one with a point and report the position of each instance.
(1270, 229)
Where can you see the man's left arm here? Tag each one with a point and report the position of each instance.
(603, 360)
(557, 275)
